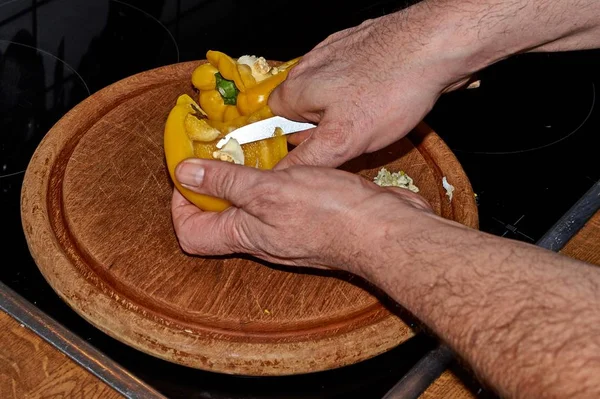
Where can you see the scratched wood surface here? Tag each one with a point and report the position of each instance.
(32, 368)
(96, 214)
(585, 245)
(448, 386)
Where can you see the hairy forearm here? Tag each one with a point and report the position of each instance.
(477, 33)
(527, 320)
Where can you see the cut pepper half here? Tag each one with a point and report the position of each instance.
(229, 97)
(181, 128)
(179, 147)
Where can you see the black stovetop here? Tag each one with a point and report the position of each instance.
(526, 138)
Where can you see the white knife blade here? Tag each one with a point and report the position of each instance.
(264, 129)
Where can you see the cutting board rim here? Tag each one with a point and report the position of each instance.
(40, 218)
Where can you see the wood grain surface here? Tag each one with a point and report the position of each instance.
(32, 368)
(96, 214)
(448, 386)
(585, 245)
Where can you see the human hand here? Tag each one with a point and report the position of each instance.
(303, 216)
(365, 87)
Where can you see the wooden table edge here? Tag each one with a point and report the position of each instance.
(74, 347)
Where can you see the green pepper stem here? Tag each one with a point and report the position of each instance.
(227, 89)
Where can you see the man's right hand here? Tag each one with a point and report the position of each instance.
(366, 87)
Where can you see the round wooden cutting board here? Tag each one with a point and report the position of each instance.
(96, 214)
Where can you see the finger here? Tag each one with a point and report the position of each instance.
(294, 98)
(202, 233)
(178, 200)
(234, 183)
(325, 146)
(283, 100)
(416, 200)
(297, 138)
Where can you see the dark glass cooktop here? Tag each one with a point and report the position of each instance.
(526, 138)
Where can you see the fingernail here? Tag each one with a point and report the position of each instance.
(189, 173)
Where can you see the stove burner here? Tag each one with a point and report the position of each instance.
(36, 89)
(39, 82)
(512, 228)
(526, 109)
(133, 40)
(152, 17)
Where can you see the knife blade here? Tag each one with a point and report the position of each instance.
(264, 129)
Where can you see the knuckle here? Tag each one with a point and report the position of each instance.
(240, 240)
(295, 157)
(422, 203)
(293, 73)
(181, 226)
(282, 93)
(331, 38)
(231, 233)
(337, 135)
(283, 97)
(266, 196)
(223, 180)
(342, 140)
(187, 246)
(269, 188)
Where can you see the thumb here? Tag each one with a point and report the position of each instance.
(323, 147)
(234, 183)
(191, 225)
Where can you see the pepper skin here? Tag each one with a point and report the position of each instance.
(255, 97)
(212, 103)
(178, 147)
(231, 112)
(203, 77)
(231, 70)
(252, 95)
(229, 97)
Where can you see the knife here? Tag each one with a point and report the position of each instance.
(264, 129)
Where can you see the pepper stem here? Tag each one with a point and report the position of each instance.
(227, 89)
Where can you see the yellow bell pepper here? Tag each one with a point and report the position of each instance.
(212, 103)
(231, 112)
(256, 97)
(263, 154)
(228, 126)
(229, 97)
(183, 126)
(217, 95)
(231, 70)
(235, 84)
(203, 77)
(178, 147)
